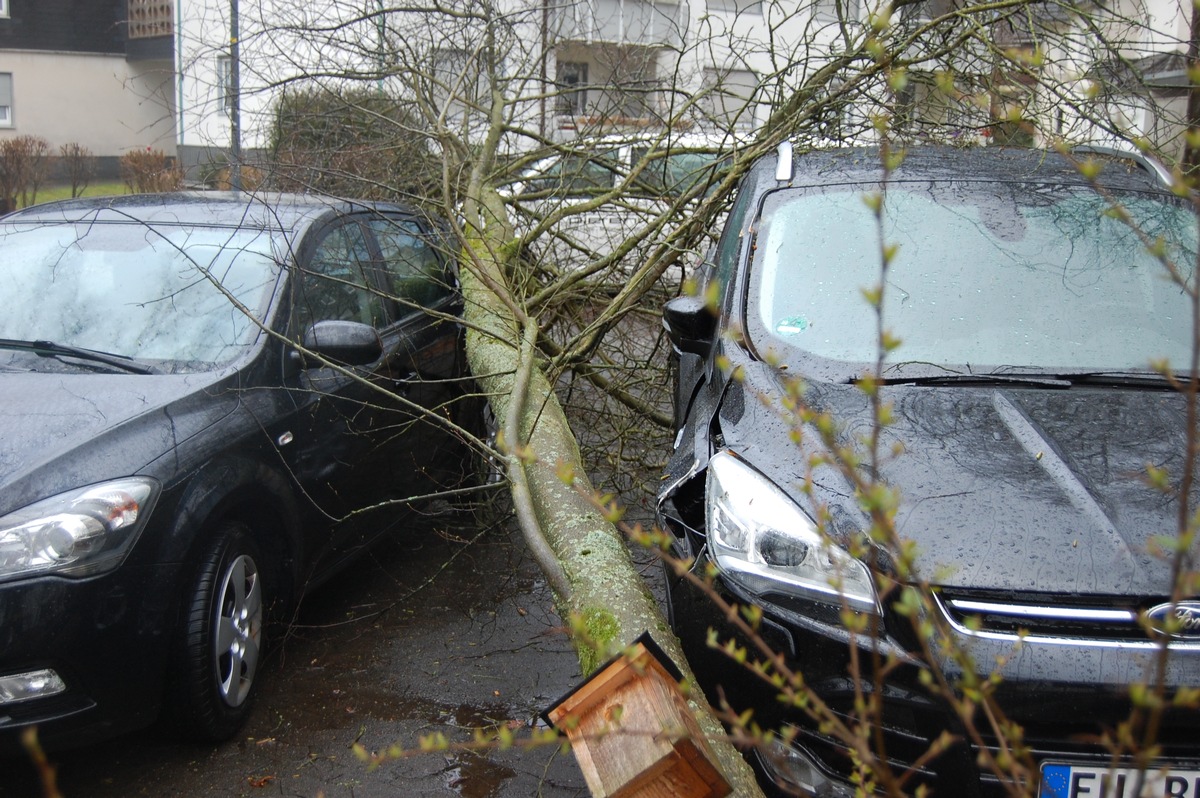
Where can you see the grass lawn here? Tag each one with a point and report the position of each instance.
(97, 188)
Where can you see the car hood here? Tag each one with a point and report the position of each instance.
(1004, 488)
(59, 431)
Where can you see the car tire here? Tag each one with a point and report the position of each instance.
(220, 640)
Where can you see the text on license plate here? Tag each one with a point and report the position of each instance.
(1097, 781)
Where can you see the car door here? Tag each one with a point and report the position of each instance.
(343, 439)
(424, 349)
(368, 440)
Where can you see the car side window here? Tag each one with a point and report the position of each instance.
(579, 174)
(414, 270)
(335, 284)
(674, 175)
(731, 238)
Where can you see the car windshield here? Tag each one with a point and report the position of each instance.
(180, 298)
(988, 277)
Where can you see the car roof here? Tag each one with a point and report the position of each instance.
(265, 211)
(656, 139)
(1120, 170)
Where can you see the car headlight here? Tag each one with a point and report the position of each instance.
(763, 540)
(79, 533)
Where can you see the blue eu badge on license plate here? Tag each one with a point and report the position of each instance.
(1060, 780)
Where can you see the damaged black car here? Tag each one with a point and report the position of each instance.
(1037, 328)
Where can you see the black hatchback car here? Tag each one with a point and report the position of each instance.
(1026, 427)
(208, 402)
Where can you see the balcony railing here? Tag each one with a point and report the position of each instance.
(645, 22)
(150, 19)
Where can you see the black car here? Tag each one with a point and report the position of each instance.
(1029, 414)
(208, 403)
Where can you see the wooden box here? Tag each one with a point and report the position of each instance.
(632, 733)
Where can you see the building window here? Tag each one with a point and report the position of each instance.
(6, 99)
(649, 22)
(735, 6)
(459, 81)
(728, 95)
(225, 82)
(3, 8)
(572, 86)
(926, 10)
(835, 10)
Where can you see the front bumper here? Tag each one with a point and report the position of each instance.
(106, 638)
(1064, 696)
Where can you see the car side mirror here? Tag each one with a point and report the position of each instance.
(350, 343)
(690, 324)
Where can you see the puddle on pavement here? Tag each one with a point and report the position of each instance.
(473, 776)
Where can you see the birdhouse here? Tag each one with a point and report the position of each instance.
(632, 733)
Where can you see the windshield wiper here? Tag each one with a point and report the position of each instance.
(1025, 380)
(51, 349)
(1057, 380)
(1125, 379)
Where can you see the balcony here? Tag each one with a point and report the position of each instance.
(149, 19)
(640, 22)
(150, 30)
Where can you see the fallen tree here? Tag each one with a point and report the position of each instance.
(579, 548)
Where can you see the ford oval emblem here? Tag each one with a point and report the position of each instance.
(1186, 615)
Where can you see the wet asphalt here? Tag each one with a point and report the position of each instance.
(445, 627)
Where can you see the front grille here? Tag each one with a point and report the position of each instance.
(1060, 722)
(1076, 617)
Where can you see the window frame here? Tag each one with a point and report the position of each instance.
(4, 10)
(6, 115)
(225, 83)
(572, 83)
(310, 271)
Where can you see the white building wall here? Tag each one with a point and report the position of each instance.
(280, 42)
(102, 102)
(1168, 24)
(778, 42)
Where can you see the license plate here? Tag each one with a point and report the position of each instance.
(1061, 780)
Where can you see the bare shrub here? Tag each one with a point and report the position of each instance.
(358, 143)
(150, 170)
(251, 178)
(24, 164)
(79, 164)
